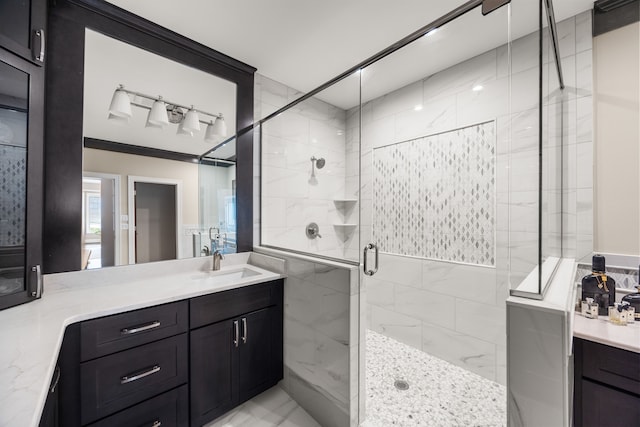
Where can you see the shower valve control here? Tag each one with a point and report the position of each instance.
(313, 231)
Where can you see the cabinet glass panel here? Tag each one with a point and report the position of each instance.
(14, 95)
(15, 21)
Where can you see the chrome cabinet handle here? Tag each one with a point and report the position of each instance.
(235, 333)
(245, 332)
(140, 328)
(39, 56)
(39, 289)
(139, 375)
(364, 255)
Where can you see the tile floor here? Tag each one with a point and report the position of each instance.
(274, 407)
(439, 394)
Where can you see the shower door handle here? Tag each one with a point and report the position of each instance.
(365, 253)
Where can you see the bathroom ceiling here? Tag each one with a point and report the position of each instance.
(304, 44)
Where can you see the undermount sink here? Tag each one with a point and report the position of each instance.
(224, 276)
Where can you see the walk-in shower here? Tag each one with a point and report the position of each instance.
(446, 156)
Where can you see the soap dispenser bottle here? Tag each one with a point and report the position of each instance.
(599, 286)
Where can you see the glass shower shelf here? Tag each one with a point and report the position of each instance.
(345, 226)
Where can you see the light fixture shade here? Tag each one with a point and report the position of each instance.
(215, 129)
(191, 122)
(119, 120)
(158, 114)
(120, 104)
(182, 130)
(219, 126)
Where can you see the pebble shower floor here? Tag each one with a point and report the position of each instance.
(439, 394)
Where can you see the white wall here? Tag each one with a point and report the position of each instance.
(616, 171)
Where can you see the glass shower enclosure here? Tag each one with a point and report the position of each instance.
(436, 167)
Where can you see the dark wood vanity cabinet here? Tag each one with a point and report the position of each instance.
(606, 385)
(127, 369)
(234, 359)
(178, 364)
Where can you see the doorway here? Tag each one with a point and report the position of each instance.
(101, 208)
(154, 219)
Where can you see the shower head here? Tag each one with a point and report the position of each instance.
(319, 163)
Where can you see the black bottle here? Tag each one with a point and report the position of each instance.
(634, 299)
(599, 286)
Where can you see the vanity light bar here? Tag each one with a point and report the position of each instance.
(189, 121)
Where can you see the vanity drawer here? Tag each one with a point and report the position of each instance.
(235, 302)
(610, 365)
(119, 332)
(120, 380)
(170, 409)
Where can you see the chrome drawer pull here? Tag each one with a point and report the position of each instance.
(245, 332)
(139, 375)
(140, 328)
(156, 423)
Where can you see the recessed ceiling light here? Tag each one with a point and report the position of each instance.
(477, 88)
(417, 107)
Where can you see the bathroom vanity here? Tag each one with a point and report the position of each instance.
(606, 372)
(169, 343)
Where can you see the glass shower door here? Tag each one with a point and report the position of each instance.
(435, 133)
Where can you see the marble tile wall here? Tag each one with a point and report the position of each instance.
(321, 337)
(291, 196)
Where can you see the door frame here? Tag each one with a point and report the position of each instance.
(118, 201)
(131, 180)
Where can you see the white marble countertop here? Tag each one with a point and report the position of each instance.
(31, 334)
(602, 331)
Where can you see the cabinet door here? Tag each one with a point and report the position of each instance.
(259, 365)
(49, 416)
(603, 406)
(214, 379)
(22, 28)
(21, 185)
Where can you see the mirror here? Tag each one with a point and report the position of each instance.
(154, 193)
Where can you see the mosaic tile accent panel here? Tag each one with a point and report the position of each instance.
(13, 167)
(434, 197)
(626, 278)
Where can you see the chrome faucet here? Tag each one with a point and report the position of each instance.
(217, 257)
